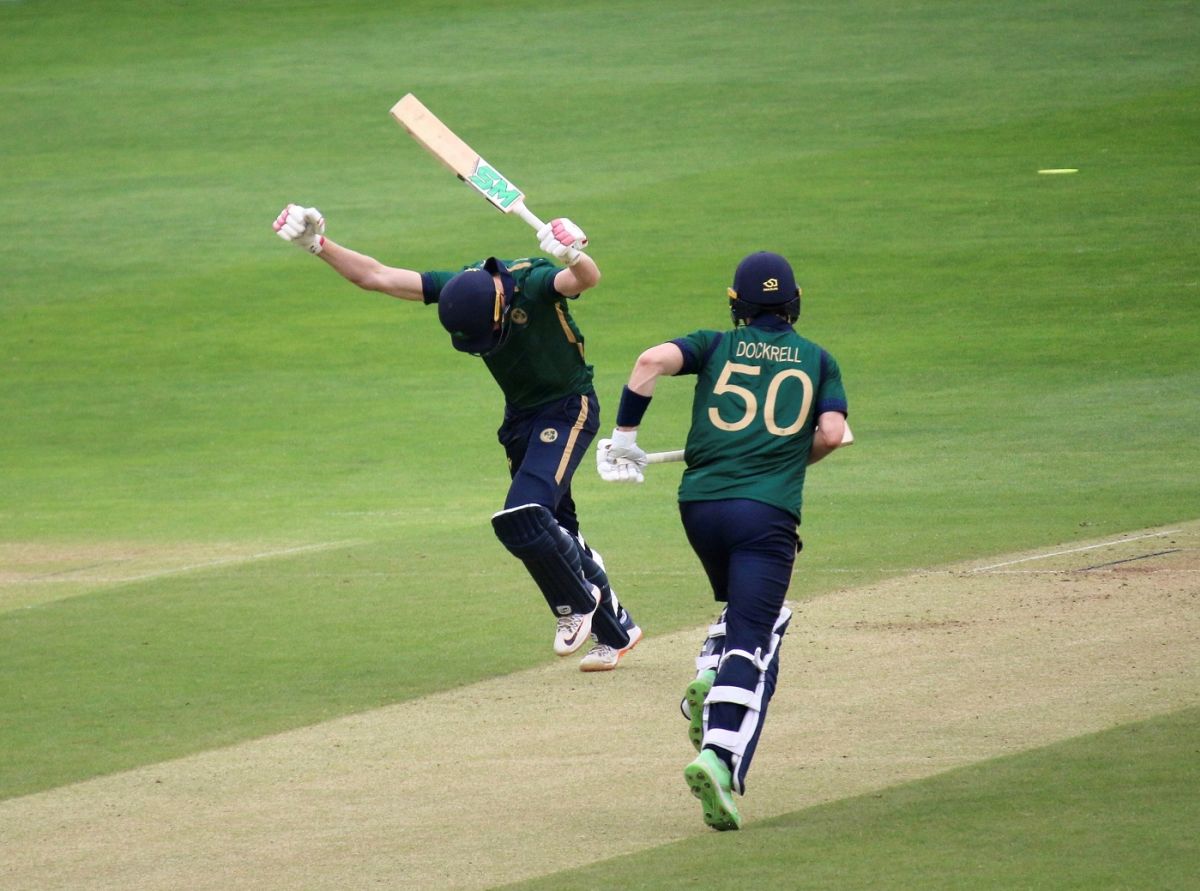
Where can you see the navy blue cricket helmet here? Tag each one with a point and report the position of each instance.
(474, 306)
(763, 282)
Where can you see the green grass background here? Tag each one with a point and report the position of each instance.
(1107, 810)
(1019, 350)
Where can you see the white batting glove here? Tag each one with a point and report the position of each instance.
(620, 459)
(302, 226)
(562, 240)
(620, 470)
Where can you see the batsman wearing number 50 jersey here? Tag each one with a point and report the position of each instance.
(513, 314)
(768, 402)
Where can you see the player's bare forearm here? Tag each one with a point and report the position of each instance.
(371, 275)
(578, 278)
(664, 359)
(831, 427)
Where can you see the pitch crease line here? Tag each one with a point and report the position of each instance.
(265, 555)
(1102, 544)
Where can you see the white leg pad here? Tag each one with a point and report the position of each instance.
(736, 695)
(713, 646)
(735, 741)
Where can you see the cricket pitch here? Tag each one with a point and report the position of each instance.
(495, 782)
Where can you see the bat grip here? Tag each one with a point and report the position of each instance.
(664, 457)
(527, 215)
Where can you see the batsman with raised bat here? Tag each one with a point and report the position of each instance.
(768, 403)
(513, 314)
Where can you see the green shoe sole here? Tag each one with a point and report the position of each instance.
(708, 779)
(696, 693)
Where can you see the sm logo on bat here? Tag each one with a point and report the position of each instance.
(493, 186)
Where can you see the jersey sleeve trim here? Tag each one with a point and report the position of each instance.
(430, 287)
(693, 361)
(830, 369)
(838, 405)
(712, 348)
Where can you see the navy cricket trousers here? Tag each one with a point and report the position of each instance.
(544, 446)
(747, 549)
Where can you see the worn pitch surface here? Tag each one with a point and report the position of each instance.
(526, 774)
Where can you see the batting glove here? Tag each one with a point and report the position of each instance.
(562, 240)
(620, 459)
(302, 226)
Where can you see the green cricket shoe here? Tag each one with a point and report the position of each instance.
(694, 696)
(710, 781)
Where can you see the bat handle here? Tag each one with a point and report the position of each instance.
(664, 457)
(527, 215)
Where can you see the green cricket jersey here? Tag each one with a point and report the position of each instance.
(542, 360)
(759, 391)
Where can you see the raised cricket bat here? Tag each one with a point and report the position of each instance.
(677, 454)
(462, 160)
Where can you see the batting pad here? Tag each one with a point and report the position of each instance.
(713, 646)
(551, 556)
(606, 622)
(749, 691)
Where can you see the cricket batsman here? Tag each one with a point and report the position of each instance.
(514, 315)
(768, 402)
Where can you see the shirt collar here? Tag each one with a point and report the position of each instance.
(770, 322)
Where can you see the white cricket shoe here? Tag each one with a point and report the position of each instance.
(574, 629)
(602, 657)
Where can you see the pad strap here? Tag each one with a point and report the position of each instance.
(714, 644)
(736, 695)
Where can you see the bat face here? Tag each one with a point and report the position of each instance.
(463, 161)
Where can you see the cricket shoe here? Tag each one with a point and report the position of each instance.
(602, 657)
(710, 781)
(574, 629)
(692, 705)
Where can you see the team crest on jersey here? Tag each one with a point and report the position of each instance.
(548, 435)
(519, 316)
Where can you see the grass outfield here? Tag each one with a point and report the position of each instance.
(238, 496)
(1072, 815)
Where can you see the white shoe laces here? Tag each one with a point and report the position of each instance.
(568, 624)
(603, 652)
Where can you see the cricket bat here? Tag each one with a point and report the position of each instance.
(460, 159)
(677, 454)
